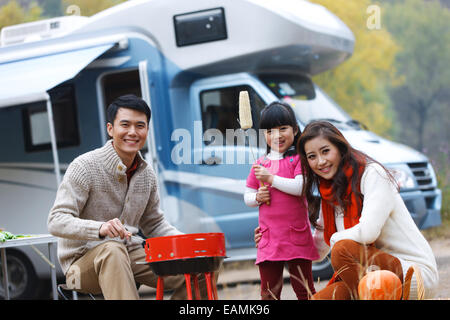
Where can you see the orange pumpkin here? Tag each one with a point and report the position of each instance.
(380, 285)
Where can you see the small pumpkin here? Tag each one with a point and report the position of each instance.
(380, 285)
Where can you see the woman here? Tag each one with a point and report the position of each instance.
(360, 215)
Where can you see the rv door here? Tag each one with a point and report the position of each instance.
(145, 91)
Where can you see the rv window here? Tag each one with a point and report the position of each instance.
(40, 133)
(35, 121)
(220, 110)
(308, 101)
(294, 86)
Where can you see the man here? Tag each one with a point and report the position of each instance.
(106, 196)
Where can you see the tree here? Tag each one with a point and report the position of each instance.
(422, 28)
(360, 84)
(52, 8)
(12, 13)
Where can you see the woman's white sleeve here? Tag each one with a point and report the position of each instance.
(250, 197)
(379, 199)
(288, 185)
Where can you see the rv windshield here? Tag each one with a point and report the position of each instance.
(308, 101)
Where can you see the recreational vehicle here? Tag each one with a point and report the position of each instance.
(189, 60)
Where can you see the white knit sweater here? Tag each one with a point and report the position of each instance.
(95, 190)
(386, 221)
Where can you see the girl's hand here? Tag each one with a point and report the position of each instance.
(262, 174)
(263, 195)
(257, 236)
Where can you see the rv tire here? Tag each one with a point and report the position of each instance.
(21, 275)
(322, 269)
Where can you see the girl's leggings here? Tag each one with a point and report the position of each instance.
(300, 271)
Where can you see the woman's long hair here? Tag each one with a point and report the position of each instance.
(278, 114)
(349, 155)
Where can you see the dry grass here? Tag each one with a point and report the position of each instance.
(442, 231)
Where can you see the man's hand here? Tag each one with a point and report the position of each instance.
(114, 228)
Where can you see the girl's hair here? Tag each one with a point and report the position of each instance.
(280, 114)
(340, 182)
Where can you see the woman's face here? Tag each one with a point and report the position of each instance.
(323, 157)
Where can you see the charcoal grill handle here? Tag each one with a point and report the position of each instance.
(147, 249)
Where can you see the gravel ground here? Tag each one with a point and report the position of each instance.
(441, 249)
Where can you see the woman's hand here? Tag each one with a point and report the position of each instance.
(257, 236)
(262, 174)
(263, 195)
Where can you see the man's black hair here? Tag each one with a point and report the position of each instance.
(129, 101)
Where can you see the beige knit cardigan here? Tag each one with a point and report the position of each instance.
(95, 190)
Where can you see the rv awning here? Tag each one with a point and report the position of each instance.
(28, 80)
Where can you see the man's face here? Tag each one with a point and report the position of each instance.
(129, 131)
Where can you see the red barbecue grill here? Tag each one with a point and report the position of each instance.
(187, 254)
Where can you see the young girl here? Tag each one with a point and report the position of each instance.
(360, 215)
(283, 214)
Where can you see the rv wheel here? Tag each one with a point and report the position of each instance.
(21, 276)
(322, 269)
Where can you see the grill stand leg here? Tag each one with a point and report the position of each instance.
(187, 277)
(214, 285)
(196, 288)
(160, 289)
(211, 286)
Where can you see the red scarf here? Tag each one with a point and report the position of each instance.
(351, 213)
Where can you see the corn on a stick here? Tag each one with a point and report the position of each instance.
(245, 118)
(245, 111)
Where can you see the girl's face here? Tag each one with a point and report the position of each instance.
(280, 138)
(323, 157)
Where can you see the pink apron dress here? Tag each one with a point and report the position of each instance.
(285, 227)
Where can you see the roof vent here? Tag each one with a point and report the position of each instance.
(39, 30)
